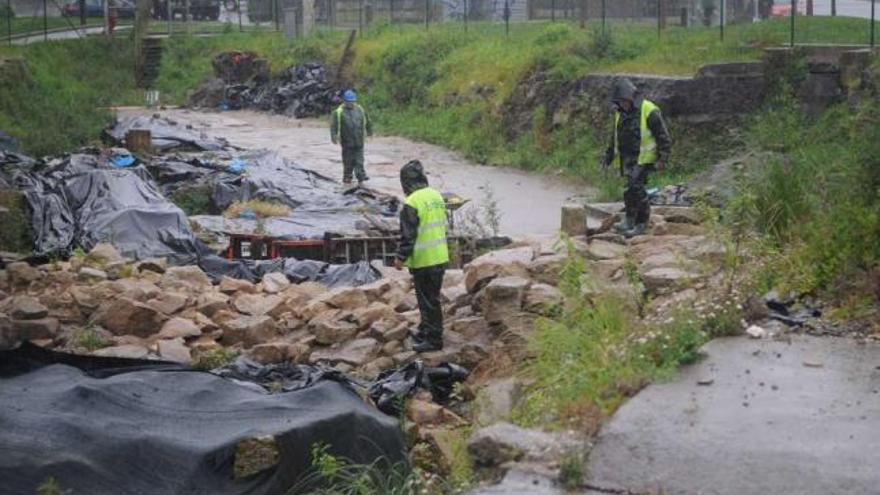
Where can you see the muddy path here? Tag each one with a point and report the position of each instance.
(529, 203)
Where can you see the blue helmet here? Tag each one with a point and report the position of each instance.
(349, 95)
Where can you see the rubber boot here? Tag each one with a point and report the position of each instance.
(638, 229)
(624, 225)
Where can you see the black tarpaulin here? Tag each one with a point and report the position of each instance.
(130, 427)
(81, 200)
(297, 271)
(166, 134)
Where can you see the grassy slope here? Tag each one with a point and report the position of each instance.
(63, 106)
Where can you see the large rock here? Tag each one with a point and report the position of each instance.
(189, 278)
(662, 280)
(155, 265)
(686, 229)
(249, 330)
(85, 299)
(168, 303)
(139, 290)
(350, 298)
(504, 262)
(88, 274)
(364, 317)
(174, 350)
(453, 277)
(8, 335)
(495, 402)
(504, 296)
(278, 352)
(126, 316)
(26, 308)
(274, 283)
(130, 351)
(63, 306)
(357, 352)
(179, 328)
(389, 330)
(329, 328)
(423, 412)
(258, 304)
(210, 303)
(542, 298)
(503, 442)
(21, 274)
(547, 269)
(472, 327)
(604, 250)
(401, 301)
(229, 285)
(103, 254)
(677, 214)
(44, 328)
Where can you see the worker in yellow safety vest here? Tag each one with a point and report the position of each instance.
(424, 250)
(641, 143)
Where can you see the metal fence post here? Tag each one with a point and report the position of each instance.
(873, 18)
(552, 10)
(275, 15)
(721, 19)
(46, 22)
(427, 13)
(507, 17)
(465, 15)
(603, 15)
(240, 25)
(9, 21)
(792, 13)
(361, 17)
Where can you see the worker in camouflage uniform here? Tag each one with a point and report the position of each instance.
(641, 143)
(349, 127)
(423, 249)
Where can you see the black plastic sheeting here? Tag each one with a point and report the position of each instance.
(166, 134)
(132, 427)
(393, 386)
(318, 204)
(297, 271)
(81, 199)
(242, 80)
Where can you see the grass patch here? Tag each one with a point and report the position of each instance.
(598, 353)
(213, 359)
(260, 208)
(89, 339)
(56, 102)
(815, 202)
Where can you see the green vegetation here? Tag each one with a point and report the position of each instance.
(89, 339)
(260, 208)
(57, 100)
(15, 234)
(213, 359)
(332, 475)
(598, 353)
(814, 204)
(34, 25)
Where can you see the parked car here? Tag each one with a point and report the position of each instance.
(95, 8)
(199, 9)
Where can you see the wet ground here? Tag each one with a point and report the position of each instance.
(529, 203)
(754, 417)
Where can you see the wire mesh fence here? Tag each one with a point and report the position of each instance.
(850, 22)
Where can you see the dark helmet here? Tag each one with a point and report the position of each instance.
(412, 177)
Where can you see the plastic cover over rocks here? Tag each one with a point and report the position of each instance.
(242, 80)
(117, 426)
(319, 205)
(81, 199)
(166, 134)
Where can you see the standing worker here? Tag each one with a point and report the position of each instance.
(349, 128)
(642, 144)
(424, 251)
